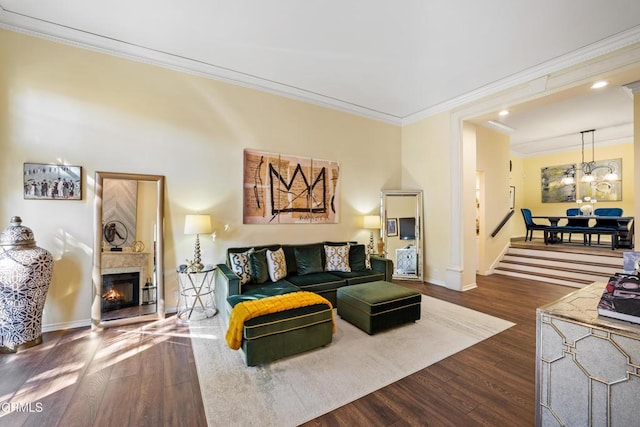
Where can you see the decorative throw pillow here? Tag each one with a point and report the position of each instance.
(259, 267)
(337, 258)
(239, 263)
(357, 256)
(277, 265)
(308, 259)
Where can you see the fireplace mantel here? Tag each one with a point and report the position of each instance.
(124, 259)
(127, 262)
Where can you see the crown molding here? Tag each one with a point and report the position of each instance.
(633, 87)
(600, 144)
(70, 36)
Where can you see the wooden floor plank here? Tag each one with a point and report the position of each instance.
(117, 406)
(84, 406)
(16, 369)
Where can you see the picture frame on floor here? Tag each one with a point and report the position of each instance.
(52, 182)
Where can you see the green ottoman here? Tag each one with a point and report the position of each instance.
(375, 306)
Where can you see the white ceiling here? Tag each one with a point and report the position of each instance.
(556, 126)
(391, 61)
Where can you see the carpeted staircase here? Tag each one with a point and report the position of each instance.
(562, 265)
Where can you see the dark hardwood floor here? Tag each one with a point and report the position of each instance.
(489, 384)
(142, 375)
(145, 375)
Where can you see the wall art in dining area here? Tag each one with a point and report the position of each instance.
(52, 182)
(285, 189)
(554, 189)
(607, 181)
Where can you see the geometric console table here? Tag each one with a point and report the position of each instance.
(587, 366)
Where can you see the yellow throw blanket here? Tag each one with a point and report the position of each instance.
(246, 310)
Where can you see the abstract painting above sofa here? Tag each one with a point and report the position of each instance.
(283, 189)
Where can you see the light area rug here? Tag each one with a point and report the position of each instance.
(294, 390)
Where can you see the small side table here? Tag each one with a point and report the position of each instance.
(406, 261)
(196, 300)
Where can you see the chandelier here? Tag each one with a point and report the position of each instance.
(588, 168)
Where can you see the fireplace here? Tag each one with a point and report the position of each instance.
(120, 290)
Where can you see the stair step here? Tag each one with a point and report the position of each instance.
(570, 249)
(557, 280)
(565, 265)
(613, 259)
(570, 266)
(568, 273)
(614, 263)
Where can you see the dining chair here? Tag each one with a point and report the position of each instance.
(576, 222)
(528, 222)
(607, 223)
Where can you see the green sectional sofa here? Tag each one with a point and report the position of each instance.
(273, 336)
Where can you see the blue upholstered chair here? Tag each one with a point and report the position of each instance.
(581, 222)
(608, 212)
(528, 222)
(606, 223)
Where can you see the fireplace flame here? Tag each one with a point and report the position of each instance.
(112, 295)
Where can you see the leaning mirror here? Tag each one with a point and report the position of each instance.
(128, 283)
(401, 212)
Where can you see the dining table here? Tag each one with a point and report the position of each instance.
(625, 226)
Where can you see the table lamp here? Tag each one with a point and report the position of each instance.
(197, 224)
(371, 222)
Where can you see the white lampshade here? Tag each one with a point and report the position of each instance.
(372, 222)
(197, 224)
(611, 176)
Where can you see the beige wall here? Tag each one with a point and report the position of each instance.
(532, 181)
(636, 154)
(492, 162)
(60, 104)
(425, 166)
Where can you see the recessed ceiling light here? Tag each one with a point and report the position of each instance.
(600, 84)
(503, 113)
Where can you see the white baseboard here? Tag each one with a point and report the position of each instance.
(66, 325)
(50, 327)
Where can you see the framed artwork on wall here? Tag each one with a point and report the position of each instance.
(392, 227)
(512, 197)
(554, 186)
(52, 182)
(603, 187)
(287, 189)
